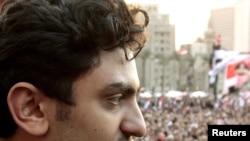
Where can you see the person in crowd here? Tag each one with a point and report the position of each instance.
(68, 71)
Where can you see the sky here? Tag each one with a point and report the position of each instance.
(190, 17)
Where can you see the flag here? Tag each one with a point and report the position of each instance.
(182, 51)
(225, 57)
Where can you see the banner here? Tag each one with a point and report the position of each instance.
(237, 73)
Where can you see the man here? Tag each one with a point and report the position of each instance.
(68, 72)
(242, 74)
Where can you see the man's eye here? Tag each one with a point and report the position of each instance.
(115, 99)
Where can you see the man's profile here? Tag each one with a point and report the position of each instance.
(68, 72)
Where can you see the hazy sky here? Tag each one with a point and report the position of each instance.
(190, 17)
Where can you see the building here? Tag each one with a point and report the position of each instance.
(242, 26)
(222, 21)
(155, 69)
(233, 24)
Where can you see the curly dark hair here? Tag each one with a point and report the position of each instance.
(52, 43)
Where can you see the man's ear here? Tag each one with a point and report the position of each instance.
(26, 105)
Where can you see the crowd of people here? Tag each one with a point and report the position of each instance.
(188, 119)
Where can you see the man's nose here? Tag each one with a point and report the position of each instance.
(133, 123)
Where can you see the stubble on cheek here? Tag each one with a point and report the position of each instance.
(62, 112)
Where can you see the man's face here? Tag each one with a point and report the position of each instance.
(106, 107)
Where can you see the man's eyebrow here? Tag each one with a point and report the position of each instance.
(123, 87)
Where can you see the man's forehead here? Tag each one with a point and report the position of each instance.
(117, 54)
